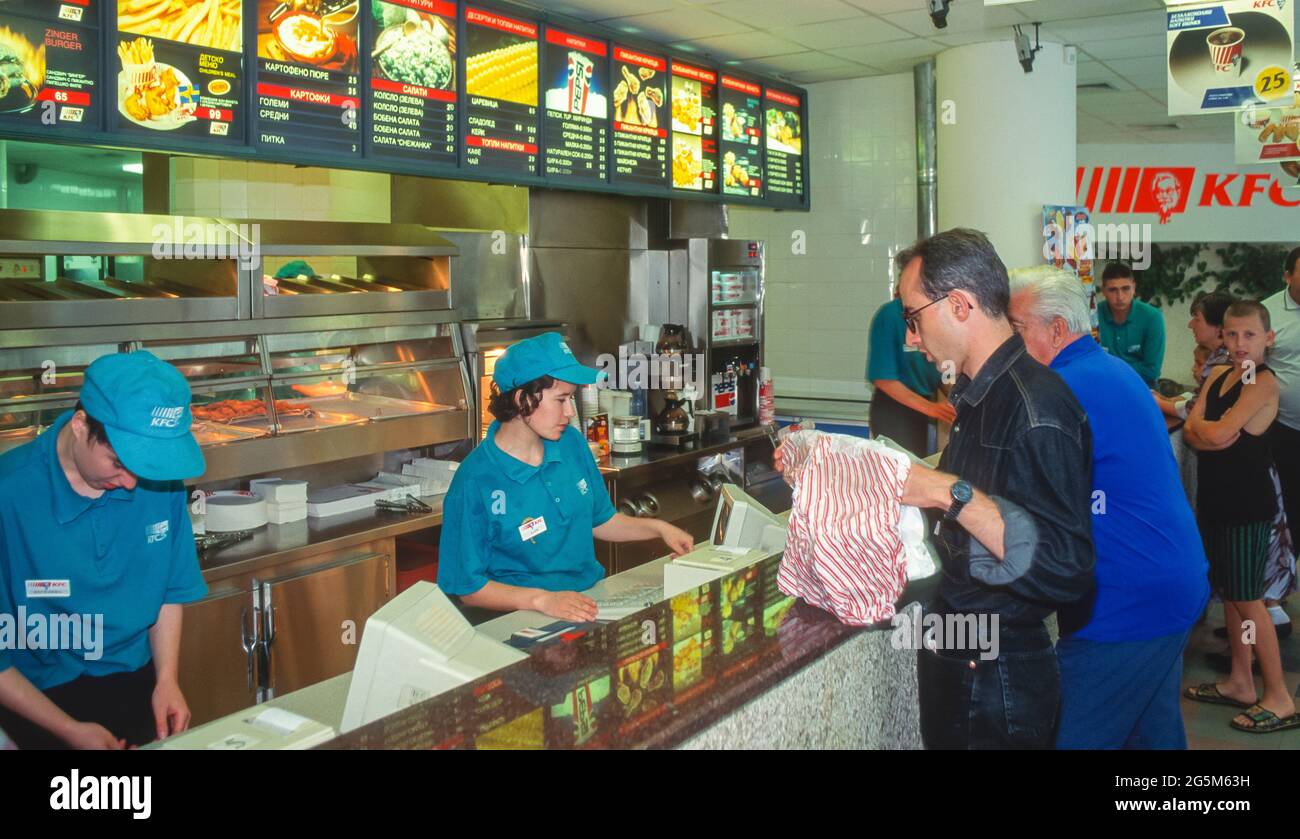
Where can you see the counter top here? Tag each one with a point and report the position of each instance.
(651, 680)
(617, 466)
(276, 544)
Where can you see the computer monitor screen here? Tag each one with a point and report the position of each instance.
(743, 524)
(416, 646)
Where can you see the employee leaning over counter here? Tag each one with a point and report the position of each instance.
(94, 530)
(521, 511)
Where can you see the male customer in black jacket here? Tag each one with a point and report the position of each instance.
(1010, 501)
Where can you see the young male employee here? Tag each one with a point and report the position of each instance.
(1130, 329)
(94, 530)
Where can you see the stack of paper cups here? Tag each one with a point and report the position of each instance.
(590, 401)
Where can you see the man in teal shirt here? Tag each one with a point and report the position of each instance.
(96, 549)
(1131, 330)
(903, 384)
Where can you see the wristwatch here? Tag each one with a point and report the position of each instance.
(962, 493)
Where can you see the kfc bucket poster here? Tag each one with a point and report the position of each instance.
(1227, 56)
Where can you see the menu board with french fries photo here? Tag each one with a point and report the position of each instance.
(180, 69)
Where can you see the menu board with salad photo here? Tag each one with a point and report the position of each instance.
(308, 94)
(49, 64)
(501, 82)
(413, 80)
(783, 116)
(180, 69)
(577, 108)
(741, 134)
(640, 118)
(694, 119)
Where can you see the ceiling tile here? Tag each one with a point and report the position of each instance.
(1137, 66)
(780, 14)
(814, 76)
(750, 45)
(592, 10)
(680, 24)
(884, 7)
(961, 39)
(1106, 49)
(873, 54)
(1108, 27)
(844, 33)
(1048, 10)
(803, 62)
(966, 16)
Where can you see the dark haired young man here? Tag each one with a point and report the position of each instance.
(519, 517)
(94, 528)
(1130, 329)
(1011, 498)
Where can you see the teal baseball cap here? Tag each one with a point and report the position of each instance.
(541, 355)
(144, 404)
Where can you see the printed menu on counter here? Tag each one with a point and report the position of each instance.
(741, 134)
(695, 137)
(501, 66)
(640, 118)
(412, 112)
(308, 84)
(783, 117)
(180, 69)
(49, 64)
(577, 107)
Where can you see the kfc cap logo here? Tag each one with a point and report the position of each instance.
(165, 417)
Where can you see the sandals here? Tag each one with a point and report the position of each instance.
(1264, 721)
(1209, 693)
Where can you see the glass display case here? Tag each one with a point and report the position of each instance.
(39, 384)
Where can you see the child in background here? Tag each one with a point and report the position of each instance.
(1235, 506)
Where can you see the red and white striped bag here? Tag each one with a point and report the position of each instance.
(851, 542)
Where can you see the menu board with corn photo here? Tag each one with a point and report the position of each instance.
(501, 84)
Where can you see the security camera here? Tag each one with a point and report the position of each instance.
(1024, 50)
(939, 12)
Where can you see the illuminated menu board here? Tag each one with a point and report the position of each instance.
(637, 82)
(501, 93)
(783, 121)
(413, 81)
(695, 123)
(49, 64)
(307, 79)
(576, 119)
(180, 69)
(741, 136)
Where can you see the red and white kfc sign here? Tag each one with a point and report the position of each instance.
(1188, 193)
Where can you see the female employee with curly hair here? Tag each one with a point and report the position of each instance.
(521, 511)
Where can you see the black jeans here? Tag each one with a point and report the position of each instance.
(121, 702)
(890, 418)
(1285, 442)
(1010, 702)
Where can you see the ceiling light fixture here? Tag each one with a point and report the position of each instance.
(133, 168)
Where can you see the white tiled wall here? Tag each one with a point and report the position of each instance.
(829, 270)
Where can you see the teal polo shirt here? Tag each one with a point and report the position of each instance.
(889, 358)
(494, 494)
(112, 563)
(1139, 341)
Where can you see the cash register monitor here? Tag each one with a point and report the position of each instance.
(741, 524)
(416, 646)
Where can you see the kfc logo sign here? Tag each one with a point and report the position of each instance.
(1166, 190)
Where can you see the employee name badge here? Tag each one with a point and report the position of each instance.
(49, 588)
(532, 528)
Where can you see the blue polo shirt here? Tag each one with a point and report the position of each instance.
(889, 358)
(1139, 341)
(1151, 568)
(117, 559)
(494, 494)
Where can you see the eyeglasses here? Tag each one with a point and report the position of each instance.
(909, 317)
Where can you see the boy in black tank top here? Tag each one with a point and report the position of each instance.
(1235, 506)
